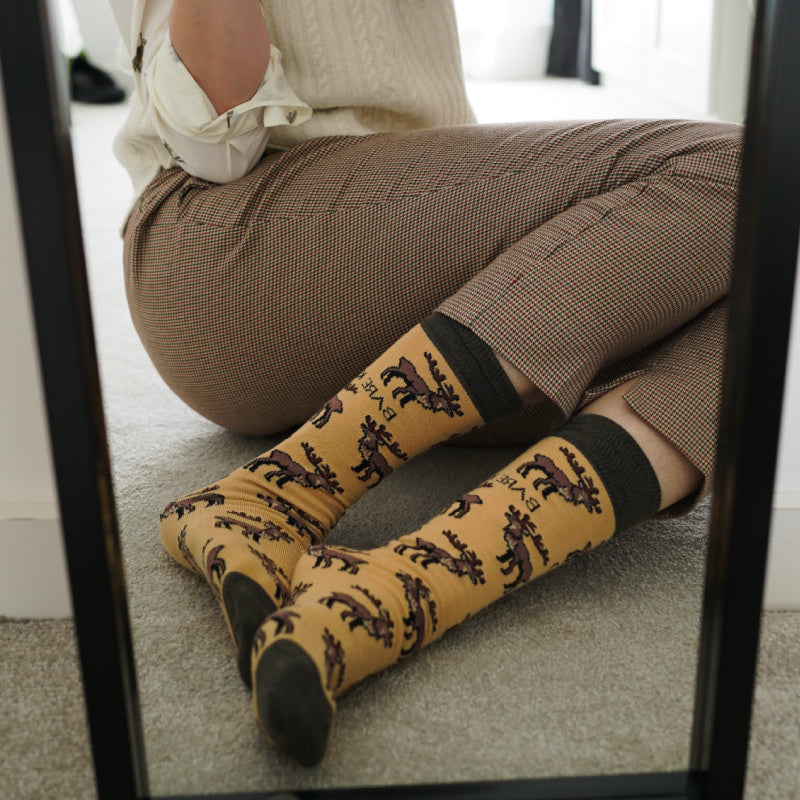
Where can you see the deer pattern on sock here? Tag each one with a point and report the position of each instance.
(188, 504)
(584, 492)
(333, 406)
(186, 552)
(283, 588)
(304, 523)
(443, 399)
(325, 557)
(297, 590)
(418, 599)
(323, 416)
(577, 553)
(252, 527)
(283, 620)
(379, 626)
(464, 504)
(334, 661)
(517, 556)
(373, 461)
(466, 564)
(215, 566)
(323, 477)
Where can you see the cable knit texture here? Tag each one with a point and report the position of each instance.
(370, 65)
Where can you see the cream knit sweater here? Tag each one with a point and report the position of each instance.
(363, 66)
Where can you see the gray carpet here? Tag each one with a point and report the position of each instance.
(589, 670)
(44, 751)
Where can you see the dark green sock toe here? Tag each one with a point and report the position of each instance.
(247, 606)
(292, 705)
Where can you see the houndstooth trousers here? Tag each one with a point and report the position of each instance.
(585, 253)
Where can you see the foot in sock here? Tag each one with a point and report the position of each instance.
(245, 533)
(354, 613)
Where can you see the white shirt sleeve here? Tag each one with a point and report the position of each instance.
(216, 147)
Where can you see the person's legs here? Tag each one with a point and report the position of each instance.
(612, 296)
(578, 304)
(677, 476)
(583, 289)
(568, 493)
(244, 532)
(635, 450)
(260, 299)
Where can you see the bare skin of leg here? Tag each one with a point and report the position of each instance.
(677, 476)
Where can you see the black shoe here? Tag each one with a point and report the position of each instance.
(89, 84)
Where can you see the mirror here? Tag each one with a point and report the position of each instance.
(476, 640)
(611, 694)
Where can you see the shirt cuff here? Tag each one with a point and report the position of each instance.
(178, 102)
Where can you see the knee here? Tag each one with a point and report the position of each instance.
(710, 151)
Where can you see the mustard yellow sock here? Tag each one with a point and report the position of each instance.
(245, 532)
(355, 613)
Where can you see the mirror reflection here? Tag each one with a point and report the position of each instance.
(380, 386)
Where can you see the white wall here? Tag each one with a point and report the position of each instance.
(25, 484)
(511, 43)
(783, 567)
(788, 482)
(29, 528)
(99, 31)
(691, 56)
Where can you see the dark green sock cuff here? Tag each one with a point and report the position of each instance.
(475, 366)
(623, 468)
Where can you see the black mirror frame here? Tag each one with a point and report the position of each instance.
(760, 313)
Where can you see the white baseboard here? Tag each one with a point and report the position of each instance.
(33, 572)
(782, 590)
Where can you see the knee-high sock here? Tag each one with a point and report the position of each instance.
(245, 532)
(356, 612)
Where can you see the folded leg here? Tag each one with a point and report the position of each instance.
(569, 493)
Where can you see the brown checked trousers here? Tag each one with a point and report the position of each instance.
(585, 253)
